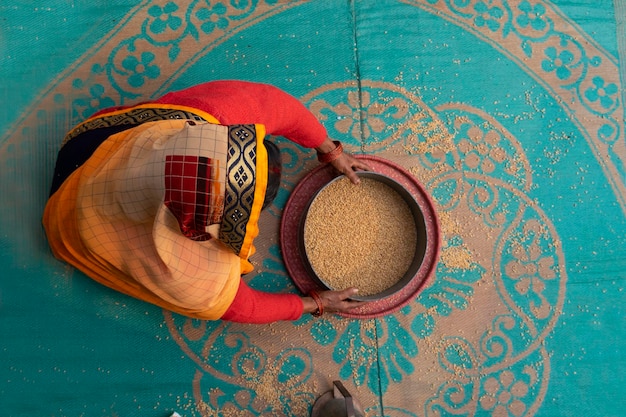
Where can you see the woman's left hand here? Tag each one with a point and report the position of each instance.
(342, 162)
(348, 165)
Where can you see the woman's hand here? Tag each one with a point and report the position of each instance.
(342, 162)
(333, 301)
(347, 165)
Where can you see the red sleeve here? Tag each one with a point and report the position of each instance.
(258, 307)
(242, 102)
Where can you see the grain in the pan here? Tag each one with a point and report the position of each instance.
(361, 236)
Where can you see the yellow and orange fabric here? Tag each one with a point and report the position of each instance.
(165, 211)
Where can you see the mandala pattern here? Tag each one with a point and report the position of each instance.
(473, 342)
(248, 376)
(508, 257)
(534, 34)
(585, 79)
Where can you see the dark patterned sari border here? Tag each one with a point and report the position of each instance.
(240, 185)
(133, 117)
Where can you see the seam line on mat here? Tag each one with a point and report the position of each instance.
(357, 73)
(379, 369)
(620, 23)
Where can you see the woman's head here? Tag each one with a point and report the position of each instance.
(274, 169)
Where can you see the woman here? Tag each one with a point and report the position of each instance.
(161, 200)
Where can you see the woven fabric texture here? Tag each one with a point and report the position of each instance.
(510, 113)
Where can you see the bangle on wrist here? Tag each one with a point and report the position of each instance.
(318, 300)
(327, 157)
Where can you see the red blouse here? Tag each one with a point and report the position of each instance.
(242, 102)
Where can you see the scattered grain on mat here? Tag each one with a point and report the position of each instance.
(362, 236)
(264, 386)
(456, 257)
(426, 135)
(448, 224)
(453, 256)
(268, 391)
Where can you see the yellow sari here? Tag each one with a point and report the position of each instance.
(166, 212)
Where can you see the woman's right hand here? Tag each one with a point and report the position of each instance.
(333, 301)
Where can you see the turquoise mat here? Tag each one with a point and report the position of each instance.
(511, 113)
